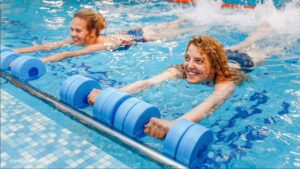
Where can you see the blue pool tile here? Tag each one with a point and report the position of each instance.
(30, 139)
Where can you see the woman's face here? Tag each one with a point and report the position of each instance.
(196, 65)
(79, 31)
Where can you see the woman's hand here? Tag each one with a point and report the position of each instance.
(158, 128)
(93, 95)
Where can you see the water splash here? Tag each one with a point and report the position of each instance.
(207, 13)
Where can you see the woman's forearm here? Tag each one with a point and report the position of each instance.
(141, 85)
(56, 57)
(46, 46)
(210, 104)
(200, 112)
(136, 87)
(30, 49)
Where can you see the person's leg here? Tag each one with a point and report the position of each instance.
(249, 42)
(169, 30)
(163, 35)
(258, 56)
(253, 49)
(176, 24)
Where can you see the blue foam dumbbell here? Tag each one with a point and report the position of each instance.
(115, 109)
(193, 143)
(136, 118)
(106, 105)
(23, 67)
(7, 57)
(28, 68)
(4, 48)
(185, 141)
(174, 136)
(123, 112)
(75, 89)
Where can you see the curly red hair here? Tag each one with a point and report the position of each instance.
(217, 57)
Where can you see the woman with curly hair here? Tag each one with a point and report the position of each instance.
(205, 62)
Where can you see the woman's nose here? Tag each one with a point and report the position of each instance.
(73, 33)
(191, 64)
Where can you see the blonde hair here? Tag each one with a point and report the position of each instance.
(94, 20)
(218, 58)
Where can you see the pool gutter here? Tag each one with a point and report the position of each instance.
(88, 120)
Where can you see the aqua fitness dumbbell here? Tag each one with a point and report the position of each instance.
(76, 89)
(185, 141)
(25, 68)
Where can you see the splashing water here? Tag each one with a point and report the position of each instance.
(207, 13)
(284, 22)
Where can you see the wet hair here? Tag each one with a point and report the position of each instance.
(217, 57)
(94, 20)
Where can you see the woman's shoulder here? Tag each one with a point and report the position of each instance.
(105, 39)
(225, 85)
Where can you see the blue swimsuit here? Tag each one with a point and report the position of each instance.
(242, 59)
(137, 34)
(137, 38)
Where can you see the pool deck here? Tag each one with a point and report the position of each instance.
(30, 139)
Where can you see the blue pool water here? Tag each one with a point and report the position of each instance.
(256, 128)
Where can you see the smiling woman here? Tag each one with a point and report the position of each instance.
(205, 62)
(86, 27)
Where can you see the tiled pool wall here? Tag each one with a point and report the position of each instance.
(30, 139)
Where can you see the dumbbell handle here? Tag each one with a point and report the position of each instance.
(75, 90)
(158, 128)
(93, 95)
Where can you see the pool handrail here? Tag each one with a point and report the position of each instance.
(88, 120)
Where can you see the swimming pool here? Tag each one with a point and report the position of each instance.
(258, 127)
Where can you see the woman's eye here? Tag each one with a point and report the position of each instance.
(186, 58)
(76, 30)
(200, 61)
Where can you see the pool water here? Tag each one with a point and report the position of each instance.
(257, 127)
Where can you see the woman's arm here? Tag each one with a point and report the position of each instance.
(222, 92)
(171, 73)
(64, 55)
(138, 86)
(158, 128)
(47, 46)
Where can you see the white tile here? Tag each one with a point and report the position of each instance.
(77, 151)
(79, 161)
(66, 131)
(67, 152)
